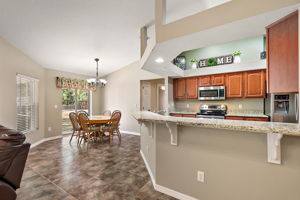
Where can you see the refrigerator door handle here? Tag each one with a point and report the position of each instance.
(297, 106)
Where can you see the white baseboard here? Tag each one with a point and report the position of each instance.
(45, 140)
(148, 168)
(163, 189)
(129, 132)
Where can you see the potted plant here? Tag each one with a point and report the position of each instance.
(194, 62)
(211, 62)
(237, 56)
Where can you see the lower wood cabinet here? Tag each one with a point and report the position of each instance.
(265, 119)
(183, 115)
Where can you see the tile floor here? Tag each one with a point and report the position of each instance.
(57, 170)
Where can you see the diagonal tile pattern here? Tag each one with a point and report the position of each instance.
(57, 170)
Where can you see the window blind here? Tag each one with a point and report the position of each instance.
(27, 103)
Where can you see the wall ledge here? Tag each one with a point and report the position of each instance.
(163, 189)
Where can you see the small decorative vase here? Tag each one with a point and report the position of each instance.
(237, 59)
(194, 65)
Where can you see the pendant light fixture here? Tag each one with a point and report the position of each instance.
(97, 81)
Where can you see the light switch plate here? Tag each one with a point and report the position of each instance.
(200, 176)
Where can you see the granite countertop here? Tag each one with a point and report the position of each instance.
(246, 115)
(250, 126)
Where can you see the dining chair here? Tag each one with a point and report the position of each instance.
(87, 129)
(107, 113)
(75, 124)
(112, 127)
(82, 111)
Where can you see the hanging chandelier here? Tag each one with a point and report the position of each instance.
(97, 81)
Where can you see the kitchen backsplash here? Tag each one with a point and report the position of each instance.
(234, 106)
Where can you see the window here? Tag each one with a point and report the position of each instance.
(27, 103)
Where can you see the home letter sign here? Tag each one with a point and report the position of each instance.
(221, 60)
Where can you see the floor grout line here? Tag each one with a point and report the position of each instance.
(53, 183)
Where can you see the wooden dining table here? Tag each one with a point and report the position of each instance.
(99, 119)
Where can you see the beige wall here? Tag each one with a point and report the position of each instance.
(220, 15)
(234, 163)
(54, 96)
(13, 61)
(122, 92)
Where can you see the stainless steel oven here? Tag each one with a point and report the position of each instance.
(211, 93)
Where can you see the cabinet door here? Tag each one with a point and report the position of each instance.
(175, 115)
(179, 88)
(234, 118)
(189, 115)
(234, 85)
(255, 84)
(204, 81)
(282, 55)
(217, 80)
(192, 88)
(264, 119)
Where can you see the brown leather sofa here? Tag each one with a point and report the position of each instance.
(13, 155)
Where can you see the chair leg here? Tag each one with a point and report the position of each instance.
(83, 136)
(78, 137)
(89, 137)
(72, 136)
(110, 137)
(119, 135)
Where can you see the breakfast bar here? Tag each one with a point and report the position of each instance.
(178, 148)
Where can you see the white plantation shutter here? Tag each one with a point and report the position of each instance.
(27, 104)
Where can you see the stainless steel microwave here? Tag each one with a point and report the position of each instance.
(213, 93)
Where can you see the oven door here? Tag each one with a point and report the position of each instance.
(211, 93)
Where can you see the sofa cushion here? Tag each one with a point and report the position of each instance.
(10, 137)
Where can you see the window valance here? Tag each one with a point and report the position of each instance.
(62, 82)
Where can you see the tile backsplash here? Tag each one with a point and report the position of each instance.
(250, 106)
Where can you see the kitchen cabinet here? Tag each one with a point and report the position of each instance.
(182, 115)
(234, 85)
(217, 80)
(249, 84)
(204, 81)
(255, 84)
(282, 55)
(175, 115)
(265, 119)
(180, 88)
(192, 88)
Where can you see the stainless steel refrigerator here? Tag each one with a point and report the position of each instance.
(282, 107)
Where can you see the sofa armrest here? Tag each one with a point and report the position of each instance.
(14, 174)
(7, 192)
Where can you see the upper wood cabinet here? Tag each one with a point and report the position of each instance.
(249, 84)
(192, 88)
(204, 81)
(217, 80)
(234, 83)
(255, 84)
(179, 88)
(282, 55)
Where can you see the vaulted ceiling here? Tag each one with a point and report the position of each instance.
(68, 34)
